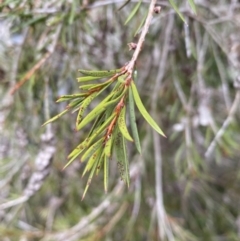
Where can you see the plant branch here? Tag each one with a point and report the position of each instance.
(141, 40)
(225, 125)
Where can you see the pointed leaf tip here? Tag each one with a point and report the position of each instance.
(143, 110)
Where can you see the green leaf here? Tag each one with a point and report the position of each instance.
(92, 160)
(75, 103)
(98, 121)
(88, 141)
(141, 24)
(92, 149)
(143, 111)
(99, 73)
(79, 149)
(106, 172)
(133, 121)
(70, 97)
(56, 117)
(126, 163)
(120, 150)
(87, 87)
(73, 157)
(99, 109)
(72, 12)
(100, 163)
(122, 124)
(76, 152)
(177, 10)
(88, 78)
(94, 163)
(108, 146)
(101, 128)
(134, 11)
(119, 153)
(83, 107)
(193, 6)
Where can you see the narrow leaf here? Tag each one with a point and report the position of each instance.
(193, 6)
(98, 131)
(87, 87)
(141, 24)
(101, 73)
(133, 121)
(80, 148)
(101, 159)
(134, 11)
(98, 121)
(88, 78)
(122, 124)
(70, 97)
(98, 110)
(83, 107)
(126, 163)
(177, 10)
(106, 172)
(55, 117)
(92, 149)
(108, 147)
(120, 150)
(118, 147)
(75, 103)
(92, 160)
(143, 111)
(73, 157)
(93, 169)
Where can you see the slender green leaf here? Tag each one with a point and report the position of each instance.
(108, 82)
(72, 12)
(100, 163)
(106, 172)
(143, 111)
(118, 147)
(83, 107)
(79, 149)
(88, 78)
(120, 150)
(98, 110)
(101, 128)
(108, 146)
(122, 124)
(73, 157)
(141, 24)
(98, 121)
(99, 73)
(134, 11)
(75, 103)
(70, 97)
(88, 141)
(93, 169)
(55, 117)
(126, 163)
(92, 149)
(87, 87)
(177, 10)
(93, 160)
(133, 121)
(193, 6)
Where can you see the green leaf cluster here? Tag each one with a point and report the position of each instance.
(109, 131)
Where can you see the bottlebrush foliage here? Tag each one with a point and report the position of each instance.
(109, 131)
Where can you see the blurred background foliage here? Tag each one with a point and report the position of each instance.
(183, 187)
